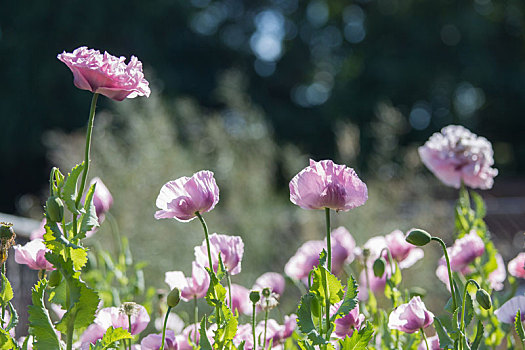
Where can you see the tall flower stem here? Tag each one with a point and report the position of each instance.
(327, 302)
(229, 291)
(206, 235)
(328, 242)
(462, 321)
(196, 318)
(253, 327)
(424, 338)
(71, 322)
(129, 329)
(265, 323)
(452, 289)
(164, 328)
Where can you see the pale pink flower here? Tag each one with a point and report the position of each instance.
(345, 326)
(240, 299)
(192, 287)
(410, 317)
(106, 74)
(272, 280)
(231, 249)
(189, 334)
(343, 247)
(507, 312)
(377, 284)
(102, 198)
(465, 250)
(325, 184)
(175, 323)
(517, 266)
(498, 276)
(433, 343)
(154, 341)
(403, 252)
(457, 155)
(244, 333)
(276, 332)
(33, 254)
(114, 317)
(183, 198)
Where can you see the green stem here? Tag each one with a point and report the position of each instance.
(71, 322)
(452, 289)
(328, 242)
(196, 317)
(327, 303)
(265, 324)
(206, 235)
(164, 328)
(253, 327)
(462, 321)
(424, 337)
(3, 306)
(129, 329)
(229, 291)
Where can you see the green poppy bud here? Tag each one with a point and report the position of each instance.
(417, 291)
(174, 297)
(483, 298)
(54, 209)
(266, 292)
(418, 237)
(379, 267)
(255, 296)
(315, 307)
(54, 278)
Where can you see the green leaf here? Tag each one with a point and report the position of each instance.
(85, 304)
(216, 292)
(350, 299)
(57, 295)
(78, 257)
(304, 345)
(6, 342)
(481, 211)
(445, 341)
(462, 225)
(396, 278)
(518, 326)
(6, 292)
(69, 191)
(89, 219)
(479, 336)
(335, 288)
(13, 321)
(322, 258)
(221, 269)
(305, 321)
(40, 325)
(204, 343)
(111, 339)
(359, 340)
(469, 310)
(227, 328)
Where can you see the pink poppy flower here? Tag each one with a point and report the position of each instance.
(114, 317)
(457, 155)
(507, 312)
(410, 317)
(275, 332)
(498, 276)
(244, 333)
(325, 184)
(272, 280)
(517, 266)
(240, 299)
(433, 343)
(192, 287)
(106, 74)
(189, 334)
(231, 249)
(102, 198)
(346, 325)
(175, 323)
(32, 254)
(154, 341)
(183, 198)
(377, 284)
(465, 250)
(403, 252)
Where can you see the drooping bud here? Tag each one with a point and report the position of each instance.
(54, 209)
(379, 267)
(255, 296)
(174, 297)
(54, 278)
(483, 298)
(418, 237)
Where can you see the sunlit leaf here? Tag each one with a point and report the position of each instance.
(40, 325)
(6, 292)
(69, 191)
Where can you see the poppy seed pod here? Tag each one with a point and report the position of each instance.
(174, 297)
(379, 267)
(54, 209)
(255, 296)
(483, 298)
(418, 237)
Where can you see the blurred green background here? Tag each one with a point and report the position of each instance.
(251, 90)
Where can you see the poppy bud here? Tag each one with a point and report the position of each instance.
(418, 237)
(483, 298)
(6, 231)
(266, 292)
(54, 278)
(379, 267)
(174, 297)
(54, 209)
(255, 296)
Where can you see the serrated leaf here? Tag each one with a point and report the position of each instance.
(350, 299)
(462, 225)
(479, 336)
(322, 258)
(359, 340)
(445, 341)
(69, 191)
(79, 257)
(40, 325)
(335, 288)
(216, 292)
(85, 303)
(305, 321)
(221, 269)
(6, 292)
(204, 343)
(304, 345)
(7, 342)
(111, 339)
(518, 326)
(57, 295)
(89, 219)
(13, 321)
(481, 211)
(228, 326)
(469, 310)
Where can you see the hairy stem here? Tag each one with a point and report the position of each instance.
(452, 289)
(164, 328)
